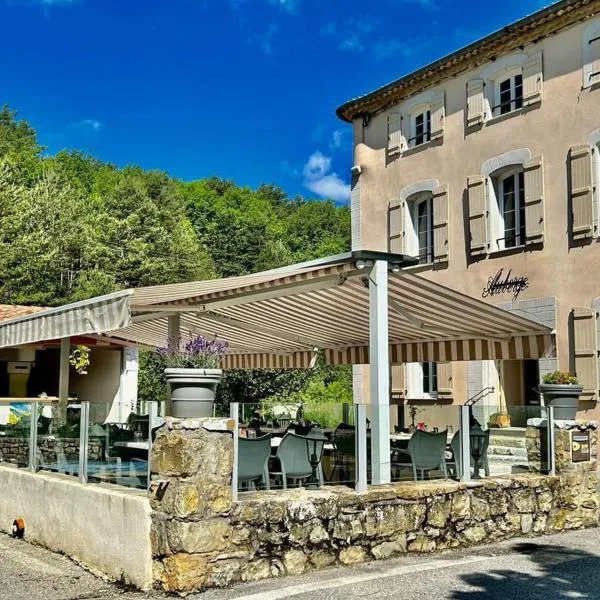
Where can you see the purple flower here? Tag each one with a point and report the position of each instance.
(199, 352)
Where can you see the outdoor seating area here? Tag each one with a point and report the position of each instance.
(274, 456)
(115, 453)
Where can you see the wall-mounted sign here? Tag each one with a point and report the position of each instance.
(505, 284)
(580, 446)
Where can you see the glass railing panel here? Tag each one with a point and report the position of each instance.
(118, 452)
(58, 444)
(15, 429)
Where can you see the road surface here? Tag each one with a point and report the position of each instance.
(552, 567)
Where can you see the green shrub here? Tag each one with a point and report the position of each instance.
(560, 377)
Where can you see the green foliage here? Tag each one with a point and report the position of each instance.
(560, 377)
(79, 359)
(73, 227)
(152, 386)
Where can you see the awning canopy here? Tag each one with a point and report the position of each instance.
(279, 318)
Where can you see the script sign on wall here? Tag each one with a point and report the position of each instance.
(505, 284)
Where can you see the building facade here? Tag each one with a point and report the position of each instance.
(485, 166)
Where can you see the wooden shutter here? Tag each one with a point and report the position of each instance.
(477, 215)
(437, 117)
(533, 79)
(534, 200)
(592, 68)
(396, 226)
(440, 224)
(397, 386)
(581, 192)
(394, 133)
(585, 361)
(475, 102)
(444, 380)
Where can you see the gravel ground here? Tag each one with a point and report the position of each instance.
(561, 566)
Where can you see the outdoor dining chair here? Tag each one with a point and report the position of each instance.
(292, 454)
(454, 465)
(425, 452)
(344, 441)
(253, 461)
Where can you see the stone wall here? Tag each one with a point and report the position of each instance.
(201, 538)
(16, 450)
(536, 440)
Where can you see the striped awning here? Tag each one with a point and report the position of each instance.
(281, 318)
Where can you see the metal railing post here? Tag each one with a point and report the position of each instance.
(550, 437)
(33, 426)
(234, 413)
(360, 449)
(152, 417)
(84, 427)
(465, 443)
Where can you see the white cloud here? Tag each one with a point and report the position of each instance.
(337, 139)
(290, 6)
(350, 35)
(265, 38)
(319, 179)
(88, 125)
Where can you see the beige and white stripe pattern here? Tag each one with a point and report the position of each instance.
(280, 318)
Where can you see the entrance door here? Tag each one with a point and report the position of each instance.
(531, 380)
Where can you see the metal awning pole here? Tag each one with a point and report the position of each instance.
(63, 381)
(380, 372)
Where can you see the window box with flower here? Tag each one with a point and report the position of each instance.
(192, 374)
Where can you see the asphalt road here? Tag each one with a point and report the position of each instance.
(560, 566)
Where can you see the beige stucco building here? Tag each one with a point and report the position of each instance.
(486, 166)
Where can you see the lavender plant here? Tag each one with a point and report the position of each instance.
(198, 353)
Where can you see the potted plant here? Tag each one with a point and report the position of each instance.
(499, 420)
(192, 374)
(561, 390)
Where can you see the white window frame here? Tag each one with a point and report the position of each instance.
(411, 239)
(494, 74)
(519, 201)
(414, 382)
(496, 225)
(501, 77)
(424, 110)
(596, 186)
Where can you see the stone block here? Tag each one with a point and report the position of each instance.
(223, 573)
(523, 500)
(385, 550)
(461, 506)
(526, 523)
(352, 555)
(318, 535)
(183, 572)
(321, 558)
(438, 512)
(256, 570)
(198, 536)
(421, 543)
(295, 562)
(480, 509)
(474, 534)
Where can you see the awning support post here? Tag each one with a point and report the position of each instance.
(174, 331)
(63, 380)
(380, 372)
(465, 443)
(360, 448)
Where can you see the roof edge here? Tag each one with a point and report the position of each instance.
(447, 65)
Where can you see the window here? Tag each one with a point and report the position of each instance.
(509, 95)
(419, 230)
(429, 378)
(591, 54)
(511, 195)
(421, 128)
(421, 380)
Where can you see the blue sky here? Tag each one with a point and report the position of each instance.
(241, 89)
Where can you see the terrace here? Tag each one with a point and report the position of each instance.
(214, 482)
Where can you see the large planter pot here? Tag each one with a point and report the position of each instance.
(563, 397)
(192, 391)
